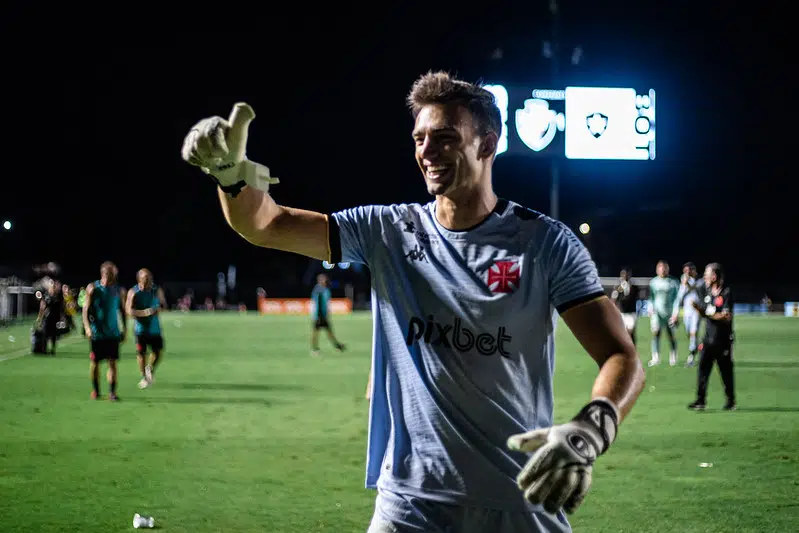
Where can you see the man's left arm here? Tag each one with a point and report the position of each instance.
(558, 473)
(161, 300)
(723, 313)
(678, 294)
(600, 330)
(123, 298)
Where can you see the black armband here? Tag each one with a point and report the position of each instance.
(232, 190)
(603, 415)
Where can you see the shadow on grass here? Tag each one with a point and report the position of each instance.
(231, 386)
(765, 364)
(755, 410)
(210, 400)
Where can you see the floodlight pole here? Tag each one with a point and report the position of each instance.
(554, 164)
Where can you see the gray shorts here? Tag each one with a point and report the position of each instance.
(399, 513)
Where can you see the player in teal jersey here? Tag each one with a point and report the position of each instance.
(664, 309)
(101, 321)
(320, 314)
(145, 301)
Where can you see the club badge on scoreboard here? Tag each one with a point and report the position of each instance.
(577, 123)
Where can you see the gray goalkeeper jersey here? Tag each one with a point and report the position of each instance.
(463, 343)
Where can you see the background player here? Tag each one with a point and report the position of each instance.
(145, 301)
(320, 316)
(70, 307)
(453, 420)
(103, 309)
(664, 311)
(716, 306)
(625, 294)
(51, 312)
(687, 295)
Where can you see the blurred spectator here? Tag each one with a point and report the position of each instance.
(51, 312)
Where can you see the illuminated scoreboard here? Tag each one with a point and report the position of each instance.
(577, 123)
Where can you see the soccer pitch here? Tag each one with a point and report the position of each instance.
(244, 431)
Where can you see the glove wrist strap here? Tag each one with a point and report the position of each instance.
(234, 189)
(603, 415)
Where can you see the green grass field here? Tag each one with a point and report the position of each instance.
(244, 431)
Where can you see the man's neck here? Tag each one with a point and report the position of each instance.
(465, 211)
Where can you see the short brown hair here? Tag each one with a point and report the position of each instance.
(442, 88)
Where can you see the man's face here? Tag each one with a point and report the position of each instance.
(110, 273)
(145, 279)
(448, 148)
(624, 275)
(710, 276)
(662, 270)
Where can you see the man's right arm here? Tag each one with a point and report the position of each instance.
(86, 305)
(219, 147)
(255, 216)
(136, 313)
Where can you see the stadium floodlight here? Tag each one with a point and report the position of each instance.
(7, 225)
(585, 228)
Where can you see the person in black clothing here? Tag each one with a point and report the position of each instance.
(51, 312)
(625, 294)
(715, 306)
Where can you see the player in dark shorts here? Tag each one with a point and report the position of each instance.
(625, 295)
(101, 321)
(320, 298)
(715, 306)
(51, 312)
(145, 301)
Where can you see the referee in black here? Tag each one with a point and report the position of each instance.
(715, 305)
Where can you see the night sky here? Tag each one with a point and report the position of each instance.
(96, 105)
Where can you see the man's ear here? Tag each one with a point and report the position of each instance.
(488, 146)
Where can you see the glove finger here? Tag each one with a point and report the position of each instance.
(240, 118)
(538, 464)
(541, 489)
(194, 160)
(528, 442)
(562, 490)
(535, 491)
(577, 497)
(189, 145)
(210, 132)
(219, 142)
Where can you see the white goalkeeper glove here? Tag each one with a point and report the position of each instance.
(219, 148)
(558, 474)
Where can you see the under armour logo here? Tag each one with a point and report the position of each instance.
(416, 254)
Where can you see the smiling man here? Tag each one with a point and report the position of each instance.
(466, 292)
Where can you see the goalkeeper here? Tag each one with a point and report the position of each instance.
(461, 430)
(664, 311)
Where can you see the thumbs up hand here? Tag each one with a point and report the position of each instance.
(219, 148)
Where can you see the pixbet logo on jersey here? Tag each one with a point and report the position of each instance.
(457, 337)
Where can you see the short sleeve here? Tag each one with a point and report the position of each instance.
(727, 305)
(352, 232)
(700, 291)
(573, 277)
